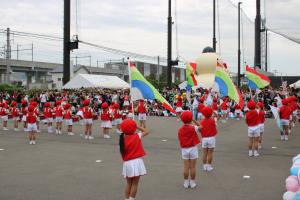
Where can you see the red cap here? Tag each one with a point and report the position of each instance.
(260, 104)
(67, 106)
(30, 108)
(86, 102)
(117, 106)
(34, 103)
(186, 116)
(215, 99)
(47, 104)
(104, 105)
(13, 104)
(207, 111)
(285, 101)
(128, 126)
(58, 102)
(141, 100)
(24, 102)
(251, 105)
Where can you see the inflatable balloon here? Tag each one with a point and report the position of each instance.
(289, 195)
(294, 171)
(297, 197)
(296, 158)
(296, 164)
(292, 185)
(291, 177)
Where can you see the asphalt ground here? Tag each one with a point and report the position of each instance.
(61, 167)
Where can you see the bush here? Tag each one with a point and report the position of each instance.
(9, 88)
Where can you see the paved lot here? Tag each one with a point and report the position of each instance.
(65, 167)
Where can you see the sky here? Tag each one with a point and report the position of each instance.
(141, 26)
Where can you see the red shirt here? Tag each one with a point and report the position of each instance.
(117, 114)
(105, 115)
(293, 105)
(179, 103)
(261, 116)
(87, 113)
(48, 113)
(24, 110)
(224, 106)
(31, 118)
(214, 106)
(133, 147)
(200, 107)
(237, 107)
(14, 112)
(3, 111)
(58, 111)
(252, 118)
(142, 108)
(285, 112)
(68, 114)
(209, 127)
(187, 136)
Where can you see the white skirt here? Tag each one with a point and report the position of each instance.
(106, 124)
(135, 167)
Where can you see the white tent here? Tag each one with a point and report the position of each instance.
(296, 84)
(99, 81)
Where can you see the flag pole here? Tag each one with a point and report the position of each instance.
(129, 75)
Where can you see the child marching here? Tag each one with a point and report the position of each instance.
(58, 110)
(48, 114)
(189, 140)
(87, 113)
(68, 118)
(15, 113)
(142, 113)
(117, 117)
(284, 115)
(106, 117)
(132, 153)
(31, 119)
(24, 112)
(4, 113)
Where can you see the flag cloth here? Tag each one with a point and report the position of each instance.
(140, 88)
(226, 85)
(256, 80)
(190, 75)
(276, 117)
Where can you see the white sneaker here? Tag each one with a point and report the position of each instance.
(56, 131)
(289, 131)
(256, 154)
(250, 153)
(193, 184)
(33, 142)
(70, 133)
(59, 132)
(205, 167)
(186, 184)
(16, 129)
(282, 137)
(5, 129)
(209, 168)
(91, 137)
(286, 138)
(30, 142)
(105, 136)
(86, 137)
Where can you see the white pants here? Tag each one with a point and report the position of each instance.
(190, 153)
(254, 131)
(209, 142)
(32, 127)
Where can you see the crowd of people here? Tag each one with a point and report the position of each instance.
(200, 113)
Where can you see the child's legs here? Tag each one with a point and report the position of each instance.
(4, 123)
(90, 129)
(204, 155)
(260, 137)
(134, 186)
(186, 167)
(286, 129)
(86, 129)
(251, 141)
(30, 135)
(192, 164)
(255, 143)
(210, 152)
(128, 187)
(69, 128)
(16, 123)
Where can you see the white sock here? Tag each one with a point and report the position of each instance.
(131, 198)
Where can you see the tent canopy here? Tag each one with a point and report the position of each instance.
(296, 84)
(99, 81)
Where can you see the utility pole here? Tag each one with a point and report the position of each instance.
(214, 26)
(32, 52)
(8, 55)
(17, 51)
(170, 61)
(157, 74)
(257, 56)
(239, 44)
(266, 54)
(67, 19)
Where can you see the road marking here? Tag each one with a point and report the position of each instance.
(98, 161)
(246, 177)
(164, 140)
(274, 147)
(2, 149)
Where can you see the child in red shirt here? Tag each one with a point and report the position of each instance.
(87, 113)
(31, 118)
(15, 114)
(224, 110)
(199, 108)
(261, 115)
(117, 117)
(237, 111)
(189, 140)
(252, 120)
(142, 113)
(68, 118)
(106, 117)
(48, 114)
(24, 114)
(208, 133)
(4, 113)
(58, 110)
(284, 115)
(132, 152)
